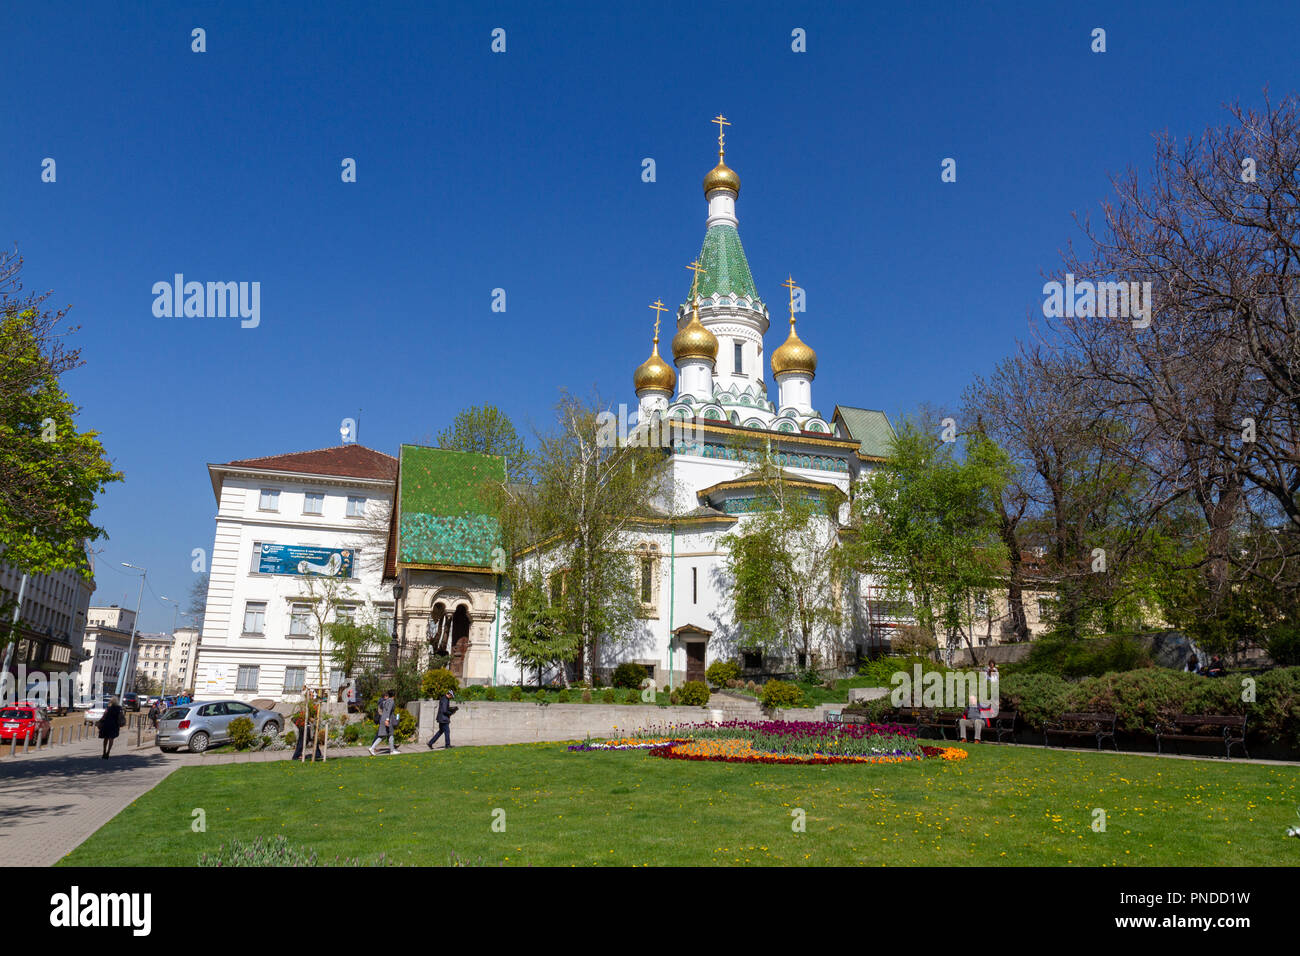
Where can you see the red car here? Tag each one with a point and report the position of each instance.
(22, 720)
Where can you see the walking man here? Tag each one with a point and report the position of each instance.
(386, 724)
(445, 710)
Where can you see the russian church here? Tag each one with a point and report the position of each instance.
(717, 385)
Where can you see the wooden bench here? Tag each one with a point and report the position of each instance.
(1099, 726)
(1230, 731)
(940, 720)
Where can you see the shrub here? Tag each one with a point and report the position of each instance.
(471, 692)
(516, 694)
(694, 693)
(365, 730)
(241, 733)
(406, 728)
(586, 695)
(1037, 697)
(881, 670)
(780, 694)
(540, 696)
(722, 673)
(1089, 657)
(290, 737)
(1284, 645)
(632, 697)
(352, 733)
(750, 685)
(489, 693)
(629, 675)
(674, 698)
(436, 683)
(562, 697)
(608, 696)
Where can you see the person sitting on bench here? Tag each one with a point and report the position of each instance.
(974, 718)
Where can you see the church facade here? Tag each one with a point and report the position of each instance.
(728, 424)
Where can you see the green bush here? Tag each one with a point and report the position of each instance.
(489, 693)
(352, 733)
(406, 728)
(674, 698)
(471, 692)
(516, 694)
(1088, 657)
(694, 693)
(436, 683)
(562, 697)
(632, 697)
(721, 673)
(781, 694)
(365, 731)
(1284, 645)
(629, 675)
(608, 696)
(881, 670)
(290, 737)
(540, 696)
(1037, 697)
(241, 733)
(586, 695)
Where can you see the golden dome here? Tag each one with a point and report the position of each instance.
(654, 373)
(794, 356)
(695, 341)
(722, 176)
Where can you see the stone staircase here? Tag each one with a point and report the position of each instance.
(735, 706)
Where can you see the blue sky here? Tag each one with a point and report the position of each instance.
(522, 171)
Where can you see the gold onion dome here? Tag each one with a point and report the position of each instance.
(654, 373)
(722, 176)
(794, 356)
(695, 341)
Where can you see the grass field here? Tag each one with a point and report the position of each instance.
(1001, 806)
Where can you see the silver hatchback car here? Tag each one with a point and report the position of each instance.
(202, 723)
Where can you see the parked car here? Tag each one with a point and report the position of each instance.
(131, 701)
(25, 720)
(201, 723)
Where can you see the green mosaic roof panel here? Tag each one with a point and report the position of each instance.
(727, 269)
(446, 514)
(871, 428)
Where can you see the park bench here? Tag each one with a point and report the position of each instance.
(1230, 731)
(940, 720)
(1098, 726)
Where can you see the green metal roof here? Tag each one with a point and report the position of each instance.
(871, 429)
(447, 515)
(726, 269)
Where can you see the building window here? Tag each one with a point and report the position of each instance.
(695, 586)
(738, 356)
(356, 506)
(295, 678)
(313, 503)
(255, 617)
(300, 620)
(336, 680)
(647, 580)
(751, 660)
(345, 614)
(247, 678)
(386, 620)
(256, 564)
(270, 500)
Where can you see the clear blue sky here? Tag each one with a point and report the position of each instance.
(523, 171)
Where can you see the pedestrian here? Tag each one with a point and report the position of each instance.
(386, 724)
(445, 709)
(110, 725)
(1193, 665)
(153, 715)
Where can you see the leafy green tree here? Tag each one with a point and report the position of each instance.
(50, 472)
(537, 637)
(927, 527)
(578, 518)
(488, 430)
(784, 561)
(352, 642)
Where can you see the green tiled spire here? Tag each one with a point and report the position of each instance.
(727, 270)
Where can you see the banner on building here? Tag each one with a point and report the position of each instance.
(296, 559)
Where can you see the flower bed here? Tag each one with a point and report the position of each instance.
(776, 741)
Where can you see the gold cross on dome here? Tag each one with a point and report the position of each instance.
(697, 269)
(658, 306)
(721, 121)
(789, 283)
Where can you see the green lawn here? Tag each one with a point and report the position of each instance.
(1002, 806)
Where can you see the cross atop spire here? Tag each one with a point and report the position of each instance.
(789, 283)
(659, 307)
(721, 121)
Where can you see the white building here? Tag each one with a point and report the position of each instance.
(153, 658)
(104, 646)
(291, 530)
(52, 618)
(185, 648)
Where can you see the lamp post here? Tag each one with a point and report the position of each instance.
(130, 648)
(394, 646)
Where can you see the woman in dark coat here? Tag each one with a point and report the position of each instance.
(110, 725)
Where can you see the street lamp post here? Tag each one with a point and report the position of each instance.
(135, 622)
(398, 591)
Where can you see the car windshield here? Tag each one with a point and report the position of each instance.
(176, 713)
(13, 713)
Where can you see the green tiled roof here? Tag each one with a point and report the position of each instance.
(446, 513)
(726, 269)
(870, 428)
